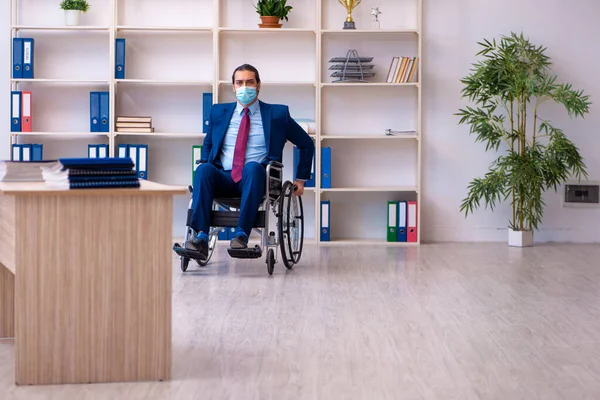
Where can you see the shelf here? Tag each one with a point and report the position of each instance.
(371, 84)
(372, 189)
(276, 83)
(61, 28)
(369, 137)
(162, 134)
(72, 81)
(359, 31)
(163, 82)
(259, 30)
(364, 242)
(163, 28)
(59, 134)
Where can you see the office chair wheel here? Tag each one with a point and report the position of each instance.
(290, 225)
(212, 241)
(184, 263)
(270, 261)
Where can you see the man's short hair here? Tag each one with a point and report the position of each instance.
(246, 67)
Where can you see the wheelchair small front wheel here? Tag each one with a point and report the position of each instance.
(184, 263)
(290, 225)
(270, 261)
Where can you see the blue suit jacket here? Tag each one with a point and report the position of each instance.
(279, 127)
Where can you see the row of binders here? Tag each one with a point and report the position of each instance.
(22, 58)
(138, 153)
(20, 111)
(27, 152)
(401, 225)
(402, 221)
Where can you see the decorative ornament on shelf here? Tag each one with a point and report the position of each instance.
(351, 68)
(349, 5)
(375, 12)
(73, 10)
(271, 12)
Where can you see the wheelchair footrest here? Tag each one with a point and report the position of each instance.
(187, 253)
(250, 252)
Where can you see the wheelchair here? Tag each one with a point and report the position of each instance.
(279, 200)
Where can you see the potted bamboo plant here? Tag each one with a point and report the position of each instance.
(509, 88)
(271, 12)
(73, 10)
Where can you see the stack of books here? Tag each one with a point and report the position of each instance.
(134, 124)
(19, 171)
(91, 173)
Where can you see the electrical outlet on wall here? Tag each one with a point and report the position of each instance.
(581, 194)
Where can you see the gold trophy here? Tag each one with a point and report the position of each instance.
(349, 5)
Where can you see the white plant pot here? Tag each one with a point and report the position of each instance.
(72, 17)
(520, 238)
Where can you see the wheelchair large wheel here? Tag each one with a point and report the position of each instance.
(290, 225)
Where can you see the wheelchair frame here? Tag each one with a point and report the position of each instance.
(279, 199)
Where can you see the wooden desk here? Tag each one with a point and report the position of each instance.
(85, 282)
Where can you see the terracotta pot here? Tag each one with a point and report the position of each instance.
(269, 22)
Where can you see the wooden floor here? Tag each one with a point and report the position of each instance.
(447, 321)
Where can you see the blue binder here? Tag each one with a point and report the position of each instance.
(401, 231)
(326, 167)
(325, 220)
(120, 58)
(207, 101)
(94, 112)
(15, 111)
(142, 161)
(123, 151)
(92, 151)
(15, 154)
(104, 112)
(102, 150)
(17, 55)
(28, 58)
(37, 151)
(310, 182)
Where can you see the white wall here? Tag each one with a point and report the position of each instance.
(451, 159)
(450, 156)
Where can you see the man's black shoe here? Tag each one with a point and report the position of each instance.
(239, 242)
(199, 245)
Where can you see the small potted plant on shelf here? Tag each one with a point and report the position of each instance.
(73, 10)
(271, 12)
(509, 87)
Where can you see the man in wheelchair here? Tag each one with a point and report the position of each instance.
(242, 138)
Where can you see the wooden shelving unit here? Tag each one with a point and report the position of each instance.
(178, 50)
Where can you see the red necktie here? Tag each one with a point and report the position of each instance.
(239, 153)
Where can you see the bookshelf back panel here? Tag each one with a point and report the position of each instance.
(395, 14)
(373, 163)
(168, 56)
(175, 108)
(368, 110)
(48, 13)
(382, 47)
(60, 107)
(361, 216)
(198, 13)
(299, 99)
(241, 14)
(61, 55)
(292, 63)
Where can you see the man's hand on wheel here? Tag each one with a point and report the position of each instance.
(299, 188)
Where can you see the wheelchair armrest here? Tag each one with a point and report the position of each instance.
(276, 164)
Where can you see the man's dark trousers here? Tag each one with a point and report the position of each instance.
(211, 182)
